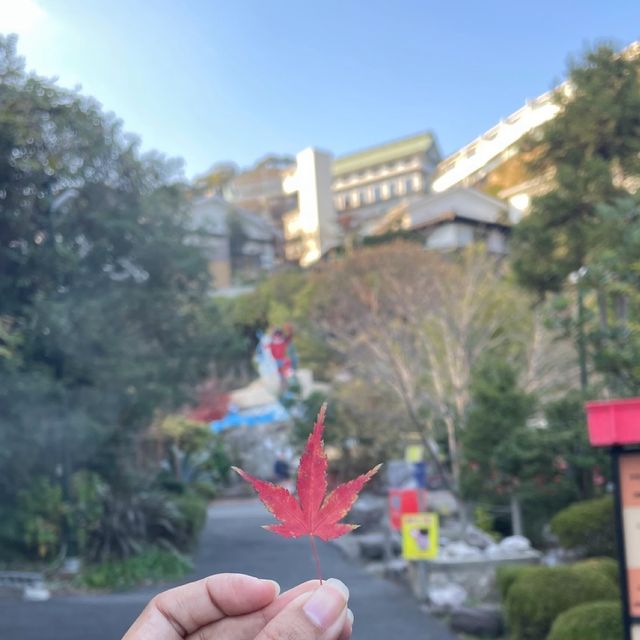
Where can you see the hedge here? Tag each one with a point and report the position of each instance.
(587, 527)
(589, 621)
(539, 595)
(507, 574)
(606, 566)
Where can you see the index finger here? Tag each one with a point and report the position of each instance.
(176, 613)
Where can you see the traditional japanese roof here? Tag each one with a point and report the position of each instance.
(389, 151)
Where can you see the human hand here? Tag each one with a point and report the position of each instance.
(232, 606)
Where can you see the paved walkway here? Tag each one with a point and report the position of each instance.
(232, 541)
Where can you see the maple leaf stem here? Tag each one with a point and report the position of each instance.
(316, 557)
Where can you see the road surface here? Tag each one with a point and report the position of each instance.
(232, 541)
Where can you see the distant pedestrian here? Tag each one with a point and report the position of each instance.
(281, 469)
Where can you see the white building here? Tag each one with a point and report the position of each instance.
(367, 183)
(451, 220)
(311, 229)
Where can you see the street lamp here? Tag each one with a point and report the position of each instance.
(576, 278)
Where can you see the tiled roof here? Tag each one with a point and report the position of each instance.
(382, 153)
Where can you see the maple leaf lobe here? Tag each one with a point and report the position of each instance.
(312, 513)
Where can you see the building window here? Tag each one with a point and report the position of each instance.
(391, 189)
(408, 185)
(376, 194)
(347, 200)
(363, 197)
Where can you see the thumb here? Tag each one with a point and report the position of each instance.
(320, 615)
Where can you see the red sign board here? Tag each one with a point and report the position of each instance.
(405, 501)
(614, 422)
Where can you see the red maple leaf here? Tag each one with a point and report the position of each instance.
(311, 514)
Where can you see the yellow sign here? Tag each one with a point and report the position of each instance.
(414, 453)
(420, 536)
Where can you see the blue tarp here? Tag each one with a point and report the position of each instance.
(265, 414)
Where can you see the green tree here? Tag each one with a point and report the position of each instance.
(587, 225)
(496, 420)
(612, 283)
(413, 324)
(535, 469)
(101, 296)
(590, 152)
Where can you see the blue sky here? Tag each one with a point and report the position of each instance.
(211, 80)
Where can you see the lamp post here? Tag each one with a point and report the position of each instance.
(576, 278)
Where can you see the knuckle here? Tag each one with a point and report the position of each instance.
(287, 630)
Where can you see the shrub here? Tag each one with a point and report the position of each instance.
(539, 595)
(507, 574)
(151, 565)
(605, 566)
(41, 513)
(193, 514)
(589, 621)
(207, 490)
(131, 521)
(587, 527)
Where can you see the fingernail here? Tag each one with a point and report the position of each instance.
(340, 586)
(350, 616)
(327, 603)
(276, 586)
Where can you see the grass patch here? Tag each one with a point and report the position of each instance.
(151, 565)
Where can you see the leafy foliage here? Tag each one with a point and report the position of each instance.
(151, 565)
(496, 424)
(539, 595)
(587, 526)
(589, 621)
(42, 515)
(587, 225)
(546, 467)
(411, 324)
(104, 322)
(590, 148)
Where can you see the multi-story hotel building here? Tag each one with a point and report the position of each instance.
(367, 183)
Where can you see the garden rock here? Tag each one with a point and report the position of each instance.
(372, 545)
(485, 622)
(515, 544)
(460, 551)
(477, 538)
(447, 596)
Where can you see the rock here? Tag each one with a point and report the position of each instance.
(484, 621)
(494, 551)
(460, 551)
(372, 545)
(396, 569)
(36, 593)
(515, 544)
(477, 538)
(447, 596)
